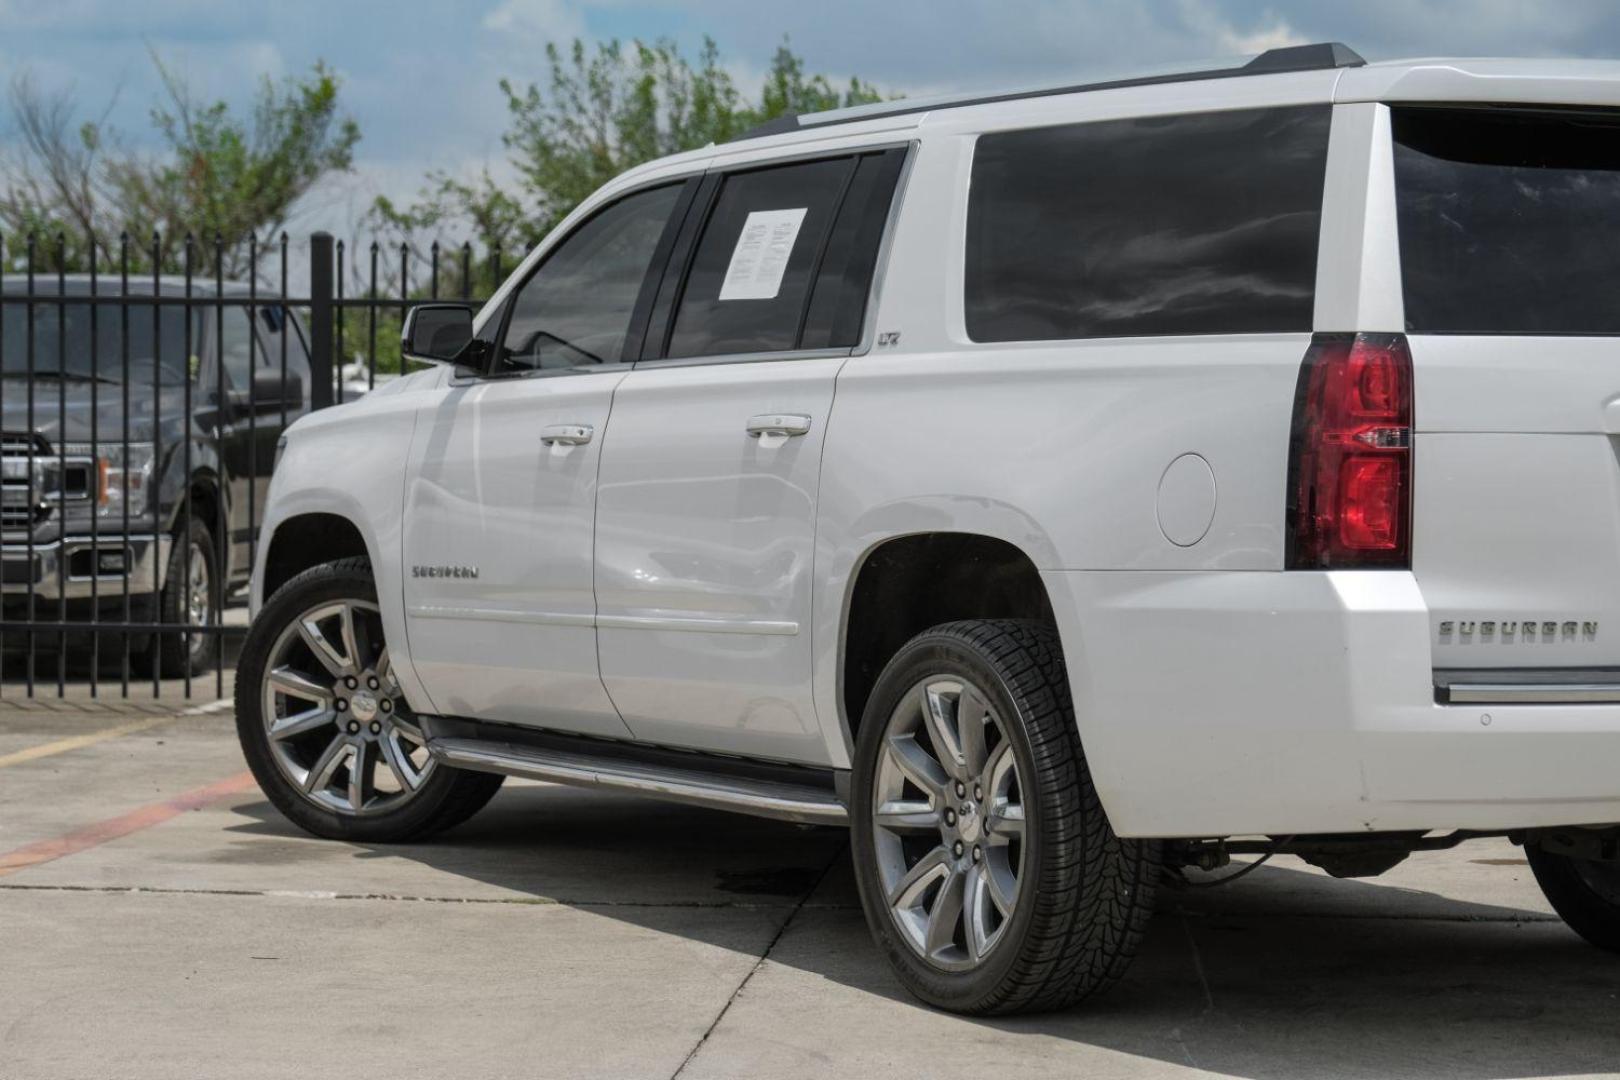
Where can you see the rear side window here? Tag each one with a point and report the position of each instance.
(751, 273)
(1509, 220)
(1201, 224)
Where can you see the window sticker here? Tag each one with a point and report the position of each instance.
(761, 256)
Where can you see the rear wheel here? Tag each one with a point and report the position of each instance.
(1584, 892)
(987, 868)
(325, 726)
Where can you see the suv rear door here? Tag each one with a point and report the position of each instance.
(1509, 225)
(706, 505)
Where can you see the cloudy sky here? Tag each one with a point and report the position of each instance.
(420, 75)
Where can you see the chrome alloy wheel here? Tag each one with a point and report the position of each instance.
(948, 823)
(338, 724)
(199, 596)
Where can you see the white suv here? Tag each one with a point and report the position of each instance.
(1061, 488)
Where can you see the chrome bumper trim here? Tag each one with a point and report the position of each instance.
(1551, 686)
(147, 554)
(1509, 694)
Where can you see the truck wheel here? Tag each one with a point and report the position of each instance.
(189, 598)
(1584, 892)
(988, 871)
(325, 726)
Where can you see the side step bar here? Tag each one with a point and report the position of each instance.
(683, 783)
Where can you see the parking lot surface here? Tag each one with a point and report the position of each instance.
(159, 919)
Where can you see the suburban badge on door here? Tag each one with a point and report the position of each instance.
(444, 571)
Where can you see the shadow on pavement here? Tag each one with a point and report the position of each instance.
(1287, 975)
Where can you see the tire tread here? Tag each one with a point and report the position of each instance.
(1094, 892)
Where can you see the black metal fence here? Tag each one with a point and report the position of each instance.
(144, 391)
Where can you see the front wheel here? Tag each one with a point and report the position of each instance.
(1584, 892)
(987, 869)
(324, 725)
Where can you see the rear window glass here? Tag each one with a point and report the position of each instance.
(1509, 220)
(1202, 224)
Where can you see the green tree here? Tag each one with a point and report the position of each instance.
(606, 109)
(215, 173)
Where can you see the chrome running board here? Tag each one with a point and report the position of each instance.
(682, 783)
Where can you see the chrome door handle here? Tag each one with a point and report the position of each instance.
(567, 434)
(779, 424)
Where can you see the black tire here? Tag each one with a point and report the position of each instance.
(1585, 894)
(1085, 895)
(447, 797)
(172, 655)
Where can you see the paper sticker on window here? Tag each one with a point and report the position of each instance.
(761, 255)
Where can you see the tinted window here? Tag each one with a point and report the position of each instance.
(278, 330)
(239, 350)
(575, 311)
(838, 304)
(751, 271)
(1201, 224)
(1509, 220)
(62, 336)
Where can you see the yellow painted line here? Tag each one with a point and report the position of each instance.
(79, 742)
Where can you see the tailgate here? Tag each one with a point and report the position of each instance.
(1510, 249)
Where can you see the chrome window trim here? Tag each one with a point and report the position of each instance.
(742, 358)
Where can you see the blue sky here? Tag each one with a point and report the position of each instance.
(420, 75)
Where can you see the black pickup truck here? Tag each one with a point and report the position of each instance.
(113, 419)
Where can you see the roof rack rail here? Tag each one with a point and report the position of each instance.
(1322, 56)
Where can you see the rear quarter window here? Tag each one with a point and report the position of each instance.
(1197, 224)
(1509, 219)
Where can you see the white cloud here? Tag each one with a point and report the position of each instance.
(1276, 36)
(536, 20)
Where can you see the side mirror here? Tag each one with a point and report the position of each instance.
(436, 333)
(271, 394)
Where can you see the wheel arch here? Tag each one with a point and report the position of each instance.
(903, 584)
(305, 540)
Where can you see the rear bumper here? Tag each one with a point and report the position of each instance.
(67, 568)
(1215, 704)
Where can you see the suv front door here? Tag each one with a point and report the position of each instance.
(706, 508)
(501, 485)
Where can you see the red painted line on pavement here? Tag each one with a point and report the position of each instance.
(44, 851)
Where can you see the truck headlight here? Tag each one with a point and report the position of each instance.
(123, 476)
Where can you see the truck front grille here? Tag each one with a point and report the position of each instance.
(24, 500)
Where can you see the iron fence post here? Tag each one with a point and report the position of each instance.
(321, 317)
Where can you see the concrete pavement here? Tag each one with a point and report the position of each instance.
(163, 921)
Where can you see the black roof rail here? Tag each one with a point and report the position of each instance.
(1323, 56)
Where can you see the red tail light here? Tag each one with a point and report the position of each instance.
(1350, 456)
